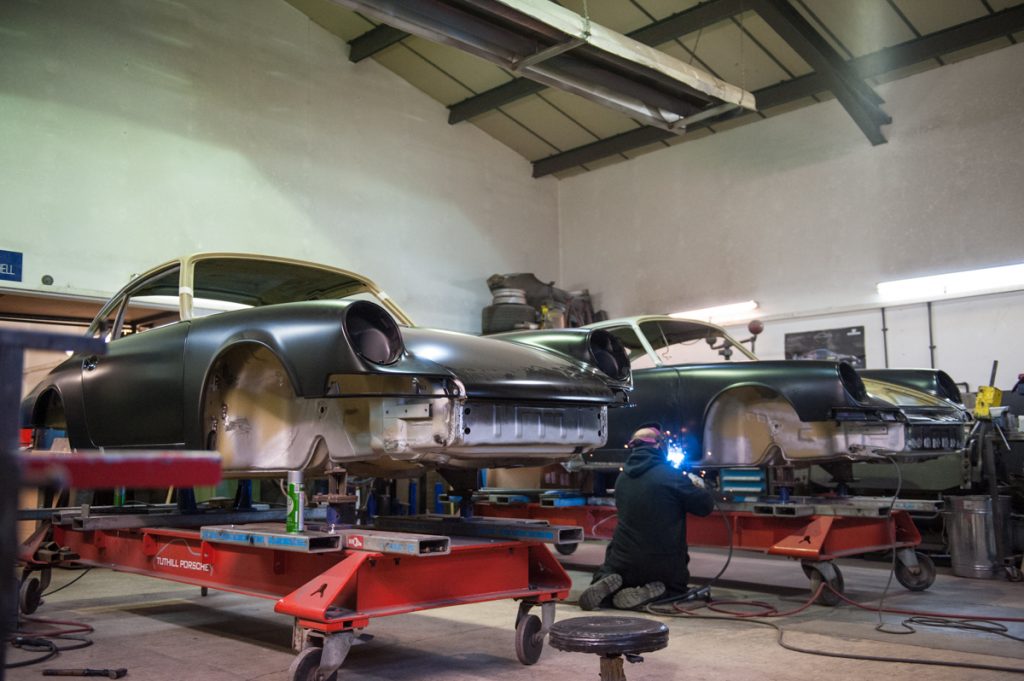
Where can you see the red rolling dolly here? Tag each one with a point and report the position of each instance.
(334, 583)
(815, 532)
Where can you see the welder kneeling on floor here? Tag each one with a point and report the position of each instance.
(647, 558)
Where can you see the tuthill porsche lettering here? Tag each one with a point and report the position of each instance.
(193, 565)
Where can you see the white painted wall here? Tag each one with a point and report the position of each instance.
(134, 132)
(968, 334)
(801, 213)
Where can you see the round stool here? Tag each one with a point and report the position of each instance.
(610, 638)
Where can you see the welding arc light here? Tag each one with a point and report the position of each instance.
(675, 454)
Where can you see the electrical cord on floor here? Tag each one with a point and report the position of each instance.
(780, 639)
(61, 588)
(986, 625)
(892, 568)
(936, 615)
(47, 641)
(704, 588)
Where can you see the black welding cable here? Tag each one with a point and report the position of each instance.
(728, 533)
(892, 567)
(982, 625)
(60, 588)
(46, 640)
(655, 607)
(33, 644)
(780, 639)
(46, 644)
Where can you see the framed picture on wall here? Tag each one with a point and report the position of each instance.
(833, 345)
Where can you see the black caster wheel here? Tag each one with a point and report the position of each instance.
(529, 642)
(566, 549)
(828, 596)
(306, 665)
(922, 580)
(30, 595)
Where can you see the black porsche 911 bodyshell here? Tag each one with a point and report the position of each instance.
(722, 412)
(281, 386)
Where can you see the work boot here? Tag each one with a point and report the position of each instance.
(592, 596)
(635, 596)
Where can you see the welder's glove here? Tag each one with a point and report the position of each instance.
(697, 480)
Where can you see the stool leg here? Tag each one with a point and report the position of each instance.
(611, 668)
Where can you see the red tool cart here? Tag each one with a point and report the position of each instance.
(814, 531)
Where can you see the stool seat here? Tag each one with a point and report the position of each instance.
(614, 635)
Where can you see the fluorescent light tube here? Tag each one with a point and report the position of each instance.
(733, 312)
(954, 284)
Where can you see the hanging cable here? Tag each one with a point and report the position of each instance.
(61, 588)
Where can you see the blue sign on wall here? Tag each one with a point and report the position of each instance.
(10, 266)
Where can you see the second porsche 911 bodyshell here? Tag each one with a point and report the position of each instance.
(284, 365)
(723, 408)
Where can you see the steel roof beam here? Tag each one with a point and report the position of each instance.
(942, 42)
(859, 100)
(671, 27)
(373, 41)
(868, 66)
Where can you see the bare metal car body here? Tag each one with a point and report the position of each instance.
(285, 365)
(725, 408)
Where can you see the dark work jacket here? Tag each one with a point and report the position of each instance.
(649, 544)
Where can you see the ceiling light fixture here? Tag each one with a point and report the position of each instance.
(733, 312)
(954, 284)
(548, 43)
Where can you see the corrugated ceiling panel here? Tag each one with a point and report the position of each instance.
(735, 123)
(548, 122)
(605, 162)
(641, 151)
(974, 51)
(600, 120)
(861, 27)
(778, 47)
(731, 55)
(473, 72)
(908, 71)
(929, 16)
(789, 106)
(660, 9)
(571, 172)
(513, 135)
(343, 23)
(421, 74)
(692, 136)
(619, 15)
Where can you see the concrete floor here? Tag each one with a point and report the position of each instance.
(161, 630)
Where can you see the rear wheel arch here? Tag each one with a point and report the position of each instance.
(247, 390)
(741, 424)
(48, 411)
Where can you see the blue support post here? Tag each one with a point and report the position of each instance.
(438, 491)
(187, 500)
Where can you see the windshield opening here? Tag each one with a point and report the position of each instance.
(226, 284)
(254, 283)
(689, 342)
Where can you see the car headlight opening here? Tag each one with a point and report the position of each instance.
(852, 381)
(609, 355)
(948, 388)
(374, 335)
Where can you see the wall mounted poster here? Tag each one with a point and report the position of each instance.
(834, 345)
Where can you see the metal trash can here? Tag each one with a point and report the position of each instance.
(970, 528)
